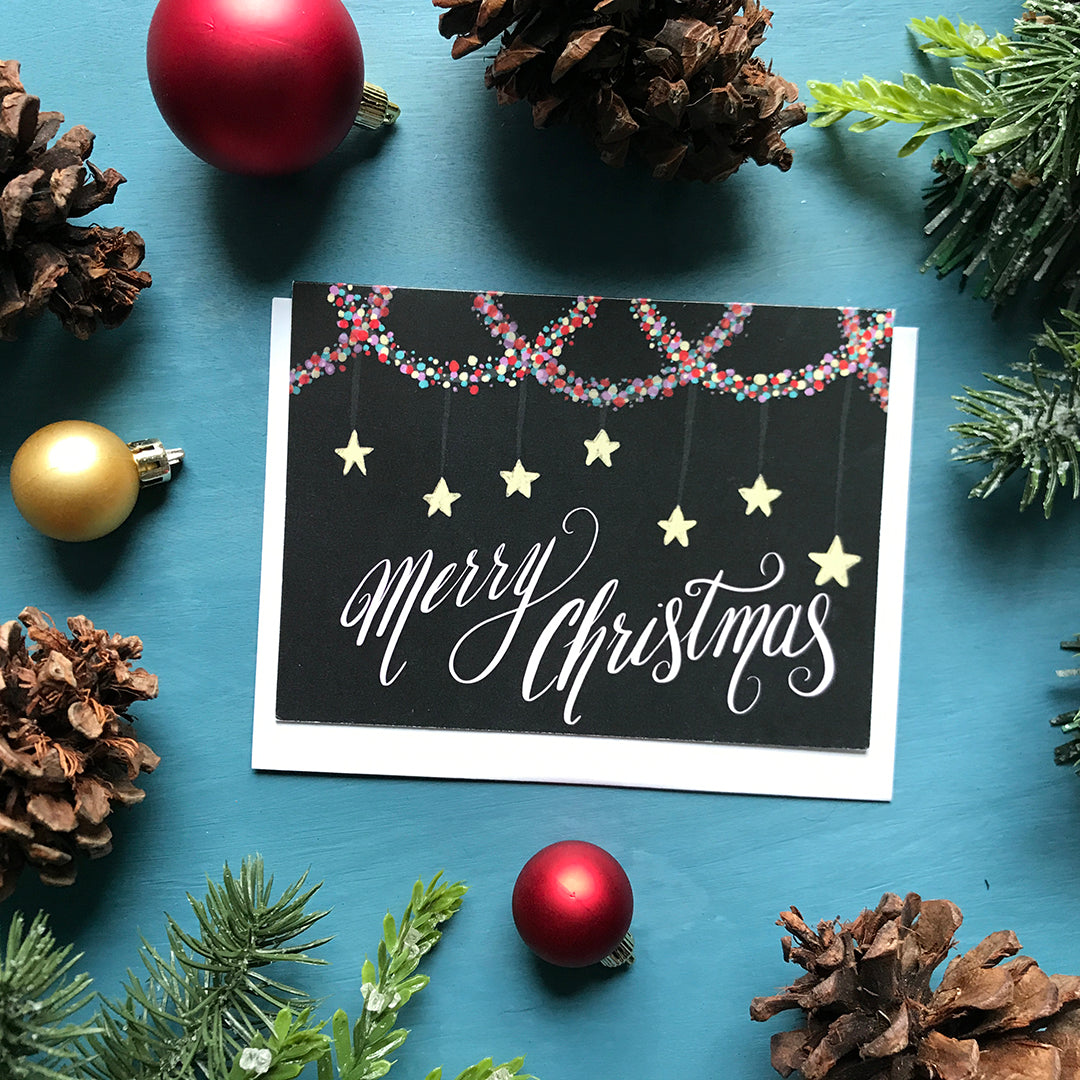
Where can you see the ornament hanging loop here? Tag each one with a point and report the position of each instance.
(154, 462)
(376, 109)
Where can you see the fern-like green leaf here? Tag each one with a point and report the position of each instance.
(205, 1008)
(388, 988)
(967, 41)
(1023, 90)
(935, 107)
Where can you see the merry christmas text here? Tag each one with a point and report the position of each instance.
(582, 634)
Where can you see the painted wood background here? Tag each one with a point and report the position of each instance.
(464, 194)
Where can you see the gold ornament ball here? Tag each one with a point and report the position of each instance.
(74, 480)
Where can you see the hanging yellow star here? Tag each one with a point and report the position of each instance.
(834, 563)
(760, 496)
(676, 527)
(442, 498)
(353, 454)
(519, 479)
(600, 447)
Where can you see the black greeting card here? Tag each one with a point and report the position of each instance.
(583, 539)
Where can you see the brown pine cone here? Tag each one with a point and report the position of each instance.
(68, 752)
(84, 275)
(674, 80)
(871, 1015)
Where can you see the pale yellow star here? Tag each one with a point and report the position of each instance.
(353, 454)
(600, 447)
(676, 527)
(519, 479)
(760, 496)
(834, 563)
(442, 498)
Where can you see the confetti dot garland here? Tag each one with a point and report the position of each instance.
(362, 321)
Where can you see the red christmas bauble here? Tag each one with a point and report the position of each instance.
(256, 86)
(573, 903)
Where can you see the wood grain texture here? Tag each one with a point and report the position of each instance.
(465, 194)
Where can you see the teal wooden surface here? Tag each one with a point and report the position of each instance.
(464, 194)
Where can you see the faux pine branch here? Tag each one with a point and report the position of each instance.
(1068, 753)
(1029, 424)
(38, 998)
(199, 1005)
(1006, 193)
(214, 1006)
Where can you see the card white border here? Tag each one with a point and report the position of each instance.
(584, 759)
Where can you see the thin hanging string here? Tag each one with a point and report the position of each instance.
(844, 406)
(445, 430)
(688, 431)
(521, 415)
(354, 403)
(763, 425)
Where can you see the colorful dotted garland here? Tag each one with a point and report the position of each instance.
(362, 322)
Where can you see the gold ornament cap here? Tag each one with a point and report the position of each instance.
(74, 480)
(376, 108)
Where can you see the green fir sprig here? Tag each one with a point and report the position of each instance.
(1028, 423)
(1068, 753)
(213, 1006)
(1006, 187)
(1026, 87)
(38, 998)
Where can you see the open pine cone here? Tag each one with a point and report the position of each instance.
(674, 80)
(84, 275)
(67, 750)
(871, 1015)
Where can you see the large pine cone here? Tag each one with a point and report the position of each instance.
(871, 1015)
(67, 750)
(84, 275)
(675, 80)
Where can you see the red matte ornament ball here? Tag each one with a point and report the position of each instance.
(263, 87)
(572, 903)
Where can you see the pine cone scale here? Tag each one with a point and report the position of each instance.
(19, 118)
(10, 827)
(52, 812)
(949, 1059)
(845, 1034)
(91, 801)
(893, 1040)
(695, 43)
(45, 855)
(94, 840)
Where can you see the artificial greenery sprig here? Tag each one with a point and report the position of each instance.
(1068, 753)
(213, 1008)
(1006, 194)
(38, 998)
(198, 1006)
(1030, 423)
(1025, 87)
(387, 988)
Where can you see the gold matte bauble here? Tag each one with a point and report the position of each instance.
(74, 480)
